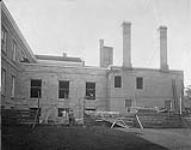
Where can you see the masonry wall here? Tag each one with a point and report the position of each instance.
(50, 76)
(8, 64)
(157, 87)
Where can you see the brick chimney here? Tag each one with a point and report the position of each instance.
(163, 48)
(106, 54)
(126, 44)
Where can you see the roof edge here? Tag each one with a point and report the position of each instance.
(17, 30)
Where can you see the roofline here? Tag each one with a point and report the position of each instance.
(108, 47)
(147, 69)
(45, 57)
(17, 30)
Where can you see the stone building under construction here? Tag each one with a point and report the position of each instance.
(59, 83)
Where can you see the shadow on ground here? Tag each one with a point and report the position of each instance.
(73, 138)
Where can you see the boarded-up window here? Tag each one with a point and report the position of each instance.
(90, 90)
(36, 88)
(117, 82)
(139, 83)
(3, 81)
(64, 89)
(3, 40)
(13, 86)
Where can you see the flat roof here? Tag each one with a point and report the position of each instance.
(58, 58)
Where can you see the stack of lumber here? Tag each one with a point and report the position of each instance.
(129, 119)
(93, 120)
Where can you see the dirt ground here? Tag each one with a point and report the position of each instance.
(173, 139)
(72, 138)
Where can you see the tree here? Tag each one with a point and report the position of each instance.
(188, 92)
(187, 99)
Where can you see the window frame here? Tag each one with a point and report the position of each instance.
(3, 87)
(4, 40)
(65, 90)
(59, 114)
(128, 101)
(119, 83)
(13, 86)
(139, 83)
(128, 107)
(90, 91)
(36, 88)
(14, 48)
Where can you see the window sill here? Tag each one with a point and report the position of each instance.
(90, 99)
(63, 99)
(59, 116)
(139, 89)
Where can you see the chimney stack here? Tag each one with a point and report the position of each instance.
(126, 44)
(106, 54)
(163, 48)
(101, 45)
(64, 54)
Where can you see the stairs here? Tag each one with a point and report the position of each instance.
(162, 120)
(18, 116)
(187, 120)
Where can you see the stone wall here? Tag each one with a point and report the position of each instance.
(11, 66)
(50, 76)
(157, 87)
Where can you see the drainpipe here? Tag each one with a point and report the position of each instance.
(180, 104)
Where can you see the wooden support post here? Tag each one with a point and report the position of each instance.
(36, 121)
(38, 108)
(139, 122)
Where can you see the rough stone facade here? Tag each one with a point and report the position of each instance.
(10, 59)
(156, 86)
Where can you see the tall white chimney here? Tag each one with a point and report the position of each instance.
(101, 45)
(163, 48)
(127, 44)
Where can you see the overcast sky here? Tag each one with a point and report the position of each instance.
(75, 27)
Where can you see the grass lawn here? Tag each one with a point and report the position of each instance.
(72, 138)
(171, 138)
